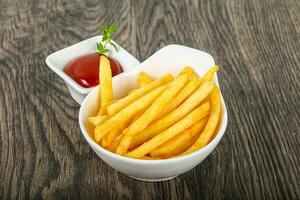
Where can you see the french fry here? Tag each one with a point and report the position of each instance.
(138, 93)
(137, 115)
(189, 88)
(151, 113)
(105, 88)
(97, 120)
(181, 142)
(182, 95)
(148, 158)
(143, 79)
(211, 125)
(189, 71)
(219, 123)
(187, 106)
(102, 110)
(115, 143)
(208, 76)
(113, 134)
(158, 105)
(126, 113)
(105, 81)
(171, 132)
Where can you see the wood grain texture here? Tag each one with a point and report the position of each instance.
(257, 45)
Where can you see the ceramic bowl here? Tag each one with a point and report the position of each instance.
(170, 59)
(58, 60)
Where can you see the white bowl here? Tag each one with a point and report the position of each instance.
(170, 59)
(58, 60)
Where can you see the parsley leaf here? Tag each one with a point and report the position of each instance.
(106, 39)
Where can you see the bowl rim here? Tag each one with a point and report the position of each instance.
(115, 156)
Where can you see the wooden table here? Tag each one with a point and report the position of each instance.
(257, 45)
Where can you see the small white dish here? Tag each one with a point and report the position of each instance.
(170, 59)
(58, 60)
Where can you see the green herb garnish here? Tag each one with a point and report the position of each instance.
(107, 32)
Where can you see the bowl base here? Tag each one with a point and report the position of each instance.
(152, 180)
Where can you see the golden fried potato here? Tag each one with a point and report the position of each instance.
(182, 95)
(105, 77)
(162, 118)
(208, 76)
(97, 120)
(152, 112)
(171, 132)
(189, 71)
(115, 143)
(114, 133)
(102, 110)
(138, 93)
(143, 79)
(219, 123)
(127, 113)
(187, 106)
(212, 122)
(181, 142)
(148, 158)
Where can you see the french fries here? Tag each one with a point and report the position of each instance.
(181, 142)
(151, 113)
(122, 103)
(160, 119)
(113, 146)
(212, 122)
(182, 95)
(126, 113)
(190, 87)
(143, 79)
(171, 132)
(99, 119)
(102, 110)
(192, 102)
(114, 133)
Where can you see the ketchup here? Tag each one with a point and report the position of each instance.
(85, 69)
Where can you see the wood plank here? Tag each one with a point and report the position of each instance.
(257, 45)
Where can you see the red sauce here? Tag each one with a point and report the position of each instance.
(85, 69)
